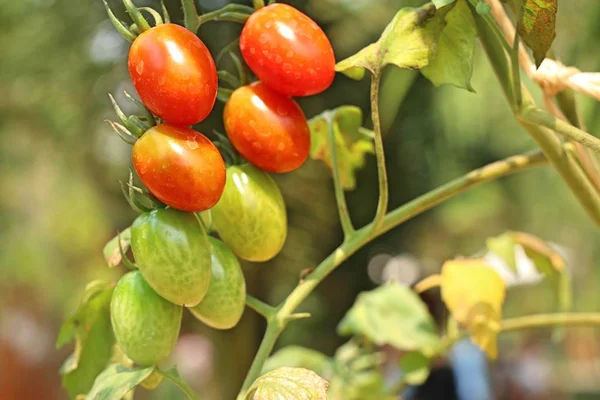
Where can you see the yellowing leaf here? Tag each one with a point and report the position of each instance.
(453, 61)
(409, 41)
(537, 26)
(116, 381)
(474, 293)
(352, 142)
(290, 384)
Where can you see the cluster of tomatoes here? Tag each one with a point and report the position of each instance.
(177, 262)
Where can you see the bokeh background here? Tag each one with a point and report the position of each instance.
(60, 202)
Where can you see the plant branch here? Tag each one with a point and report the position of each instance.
(260, 307)
(340, 197)
(359, 238)
(516, 73)
(540, 117)
(550, 320)
(382, 203)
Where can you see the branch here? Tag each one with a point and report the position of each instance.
(340, 197)
(540, 117)
(382, 203)
(550, 320)
(364, 235)
(260, 307)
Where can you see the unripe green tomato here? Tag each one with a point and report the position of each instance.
(250, 217)
(146, 326)
(223, 305)
(172, 252)
(152, 381)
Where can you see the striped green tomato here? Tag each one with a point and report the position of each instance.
(172, 252)
(250, 217)
(223, 305)
(146, 326)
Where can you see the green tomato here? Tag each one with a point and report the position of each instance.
(172, 252)
(223, 305)
(146, 326)
(251, 216)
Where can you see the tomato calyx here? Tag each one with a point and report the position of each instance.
(140, 24)
(139, 199)
(132, 126)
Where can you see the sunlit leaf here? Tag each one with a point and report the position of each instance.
(409, 41)
(453, 60)
(299, 357)
(537, 26)
(415, 367)
(116, 381)
(474, 293)
(111, 251)
(352, 143)
(392, 314)
(290, 384)
(90, 327)
(442, 3)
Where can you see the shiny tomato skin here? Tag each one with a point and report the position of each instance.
(180, 166)
(174, 74)
(267, 128)
(288, 51)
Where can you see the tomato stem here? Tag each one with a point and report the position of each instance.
(366, 234)
(136, 16)
(382, 203)
(260, 307)
(190, 15)
(119, 26)
(155, 15)
(165, 12)
(258, 4)
(231, 12)
(340, 197)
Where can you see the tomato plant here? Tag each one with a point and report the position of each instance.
(174, 74)
(180, 262)
(172, 252)
(146, 325)
(251, 217)
(288, 51)
(267, 128)
(180, 166)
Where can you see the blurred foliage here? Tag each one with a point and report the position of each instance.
(60, 203)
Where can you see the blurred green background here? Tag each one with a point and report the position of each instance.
(60, 199)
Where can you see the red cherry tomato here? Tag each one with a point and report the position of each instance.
(180, 166)
(267, 128)
(288, 51)
(174, 74)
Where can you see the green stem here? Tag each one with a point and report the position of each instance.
(260, 307)
(550, 320)
(541, 117)
(122, 29)
(190, 15)
(136, 16)
(516, 73)
(359, 238)
(382, 204)
(258, 4)
(340, 197)
(231, 12)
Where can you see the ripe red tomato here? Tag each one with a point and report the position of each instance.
(174, 74)
(180, 166)
(288, 51)
(267, 128)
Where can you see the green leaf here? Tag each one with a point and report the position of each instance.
(415, 367)
(290, 384)
(90, 327)
(537, 26)
(453, 60)
(392, 314)
(409, 41)
(442, 3)
(111, 251)
(351, 140)
(299, 357)
(116, 381)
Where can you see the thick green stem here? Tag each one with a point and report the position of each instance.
(516, 73)
(260, 307)
(359, 238)
(382, 204)
(340, 196)
(550, 320)
(136, 16)
(541, 117)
